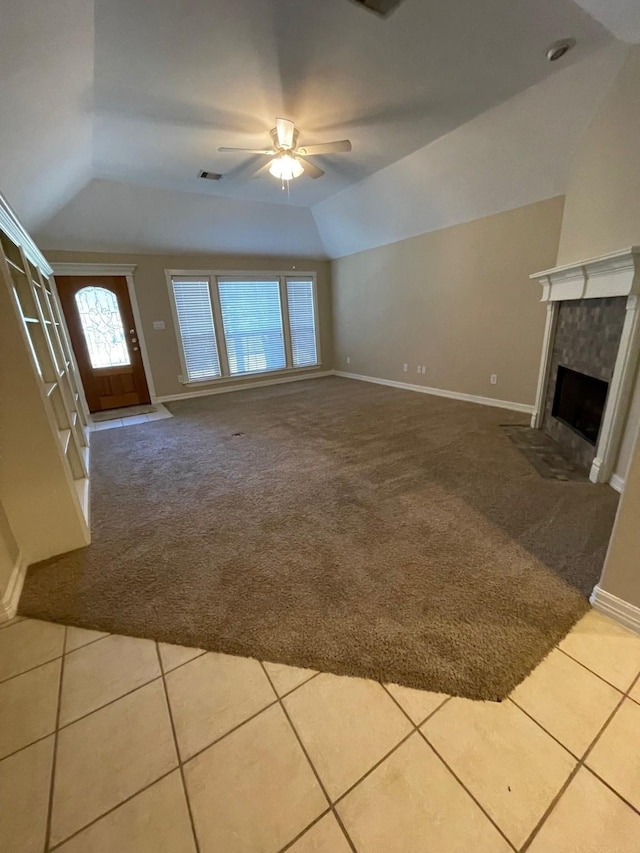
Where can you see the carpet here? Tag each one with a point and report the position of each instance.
(338, 525)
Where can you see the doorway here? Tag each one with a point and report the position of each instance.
(105, 341)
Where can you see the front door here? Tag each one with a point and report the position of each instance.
(104, 338)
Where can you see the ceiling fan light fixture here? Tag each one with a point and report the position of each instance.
(285, 167)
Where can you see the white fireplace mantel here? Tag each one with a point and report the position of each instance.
(615, 274)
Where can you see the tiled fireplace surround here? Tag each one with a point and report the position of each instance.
(587, 339)
(593, 326)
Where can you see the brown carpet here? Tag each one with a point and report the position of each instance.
(337, 525)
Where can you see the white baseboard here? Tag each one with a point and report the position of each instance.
(616, 482)
(617, 608)
(226, 389)
(439, 392)
(9, 602)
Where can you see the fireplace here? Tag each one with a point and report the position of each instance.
(579, 402)
(590, 355)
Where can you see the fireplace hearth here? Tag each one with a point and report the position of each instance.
(579, 402)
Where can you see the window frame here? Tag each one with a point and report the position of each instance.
(213, 277)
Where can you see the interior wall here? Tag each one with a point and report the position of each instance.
(458, 301)
(602, 214)
(8, 552)
(602, 208)
(621, 574)
(153, 301)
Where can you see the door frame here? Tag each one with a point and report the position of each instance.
(124, 271)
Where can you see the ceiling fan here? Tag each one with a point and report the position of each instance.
(289, 161)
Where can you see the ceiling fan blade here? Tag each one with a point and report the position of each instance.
(340, 147)
(310, 168)
(250, 150)
(285, 129)
(263, 170)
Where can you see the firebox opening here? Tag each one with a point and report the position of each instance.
(579, 402)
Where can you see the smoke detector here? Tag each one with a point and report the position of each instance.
(210, 176)
(383, 8)
(558, 49)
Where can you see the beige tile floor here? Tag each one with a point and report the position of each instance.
(160, 414)
(110, 743)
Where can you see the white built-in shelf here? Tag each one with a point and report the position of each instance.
(45, 456)
(65, 436)
(14, 266)
(82, 492)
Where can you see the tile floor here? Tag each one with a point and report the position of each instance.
(110, 743)
(160, 414)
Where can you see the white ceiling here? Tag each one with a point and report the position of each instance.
(621, 17)
(46, 82)
(174, 81)
(122, 217)
(517, 153)
(101, 141)
(514, 154)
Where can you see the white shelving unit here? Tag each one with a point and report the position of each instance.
(44, 454)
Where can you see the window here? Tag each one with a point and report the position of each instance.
(233, 326)
(102, 327)
(302, 322)
(252, 320)
(197, 329)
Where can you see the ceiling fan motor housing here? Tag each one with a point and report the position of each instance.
(383, 8)
(276, 142)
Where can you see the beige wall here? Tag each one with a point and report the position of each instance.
(602, 210)
(602, 206)
(458, 301)
(153, 301)
(621, 574)
(8, 553)
(602, 214)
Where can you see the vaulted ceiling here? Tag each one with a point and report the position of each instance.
(110, 109)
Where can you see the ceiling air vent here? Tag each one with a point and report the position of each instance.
(380, 7)
(210, 176)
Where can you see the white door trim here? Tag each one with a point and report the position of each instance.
(127, 271)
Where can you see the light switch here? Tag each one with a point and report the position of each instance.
(158, 324)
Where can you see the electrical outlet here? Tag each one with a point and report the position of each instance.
(348, 359)
(158, 324)
(424, 368)
(419, 369)
(405, 367)
(494, 378)
(181, 379)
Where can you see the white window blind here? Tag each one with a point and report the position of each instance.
(302, 323)
(197, 330)
(252, 321)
